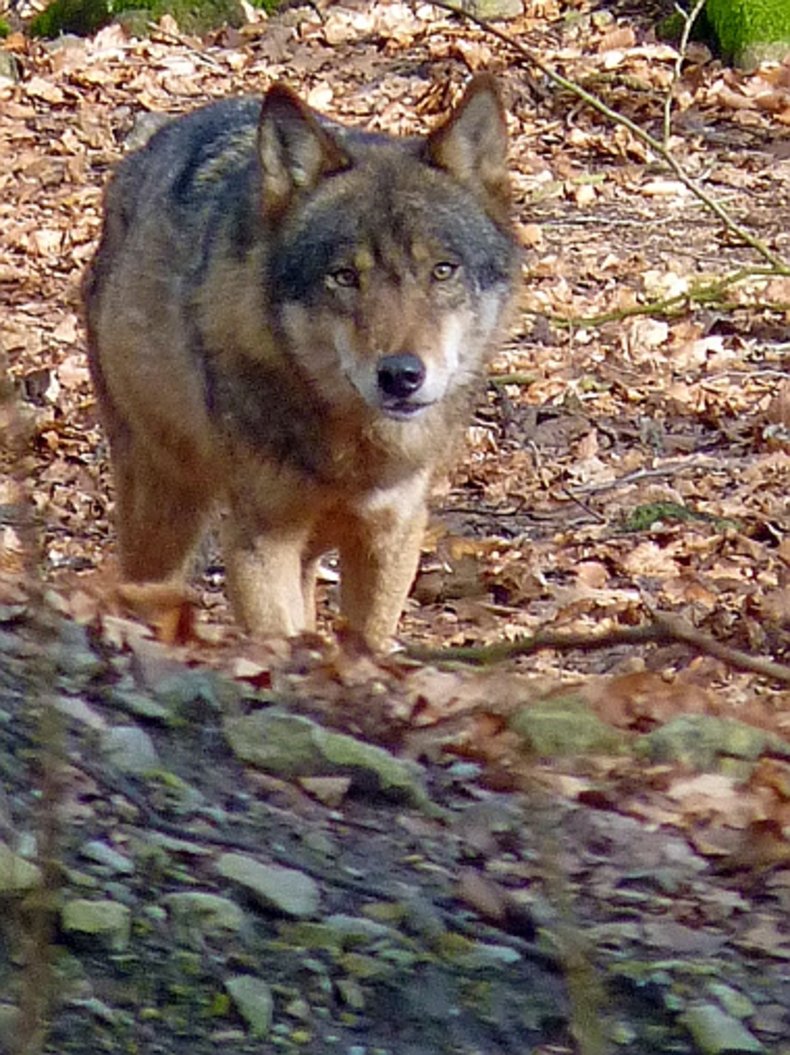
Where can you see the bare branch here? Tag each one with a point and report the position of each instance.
(664, 629)
(688, 24)
(777, 263)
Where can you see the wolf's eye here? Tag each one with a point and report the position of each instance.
(344, 277)
(443, 270)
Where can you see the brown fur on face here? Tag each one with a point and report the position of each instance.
(288, 318)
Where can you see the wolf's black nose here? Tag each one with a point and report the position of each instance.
(400, 375)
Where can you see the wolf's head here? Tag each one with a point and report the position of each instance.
(391, 259)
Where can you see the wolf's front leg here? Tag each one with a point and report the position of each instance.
(378, 561)
(266, 580)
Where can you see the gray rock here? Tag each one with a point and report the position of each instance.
(254, 1001)
(137, 704)
(284, 890)
(702, 741)
(350, 992)
(73, 654)
(103, 921)
(714, 1032)
(188, 687)
(491, 10)
(734, 1002)
(10, 69)
(79, 711)
(356, 930)
(10, 1020)
(565, 726)
(113, 1016)
(103, 854)
(753, 55)
(172, 844)
(14, 645)
(474, 955)
(129, 749)
(206, 913)
(289, 745)
(17, 875)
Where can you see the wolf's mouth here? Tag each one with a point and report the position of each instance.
(404, 409)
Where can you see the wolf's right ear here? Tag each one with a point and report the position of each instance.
(472, 144)
(295, 151)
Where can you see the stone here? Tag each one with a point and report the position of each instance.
(254, 1002)
(105, 855)
(565, 726)
(105, 921)
(714, 1032)
(750, 31)
(291, 746)
(704, 742)
(129, 749)
(491, 10)
(10, 1021)
(10, 69)
(284, 890)
(17, 875)
(210, 914)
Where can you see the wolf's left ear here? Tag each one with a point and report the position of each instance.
(294, 149)
(472, 143)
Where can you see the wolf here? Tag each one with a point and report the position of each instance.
(288, 318)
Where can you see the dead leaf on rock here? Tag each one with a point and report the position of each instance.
(712, 798)
(331, 791)
(39, 88)
(486, 897)
(648, 558)
(683, 940)
(764, 936)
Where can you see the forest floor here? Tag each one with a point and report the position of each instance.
(590, 850)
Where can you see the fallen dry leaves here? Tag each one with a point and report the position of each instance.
(615, 469)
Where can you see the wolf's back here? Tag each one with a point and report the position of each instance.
(196, 166)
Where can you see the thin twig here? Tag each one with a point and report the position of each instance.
(583, 506)
(680, 630)
(673, 467)
(518, 378)
(665, 628)
(670, 307)
(688, 23)
(776, 262)
(158, 33)
(501, 651)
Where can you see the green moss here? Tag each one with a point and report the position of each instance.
(741, 31)
(644, 518)
(563, 726)
(311, 936)
(750, 29)
(198, 16)
(219, 1007)
(84, 17)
